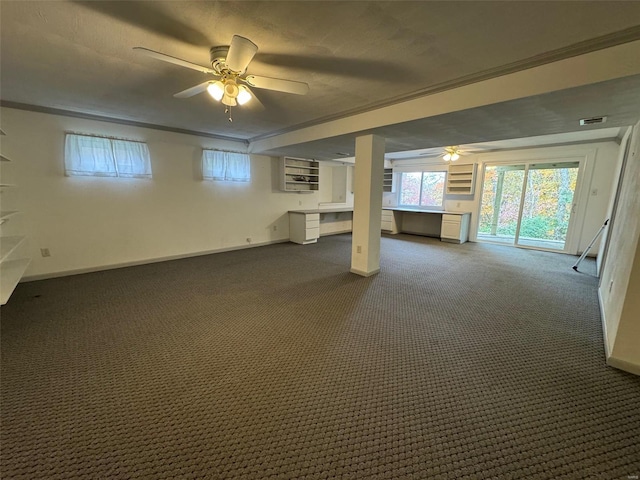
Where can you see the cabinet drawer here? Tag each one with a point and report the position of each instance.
(387, 226)
(312, 216)
(451, 218)
(450, 230)
(312, 223)
(311, 233)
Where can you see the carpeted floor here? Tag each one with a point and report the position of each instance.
(465, 361)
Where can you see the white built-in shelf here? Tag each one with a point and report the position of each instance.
(8, 245)
(7, 213)
(461, 179)
(11, 272)
(387, 181)
(299, 175)
(13, 263)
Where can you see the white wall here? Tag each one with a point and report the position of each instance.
(596, 184)
(620, 280)
(89, 223)
(335, 184)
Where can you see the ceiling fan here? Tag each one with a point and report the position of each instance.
(448, 154)
(229, 65)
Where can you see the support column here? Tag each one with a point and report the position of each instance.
(367, 205)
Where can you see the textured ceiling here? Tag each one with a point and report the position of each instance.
(77, 56)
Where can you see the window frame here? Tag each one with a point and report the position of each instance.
(422, 170)
(224, 174)
(114, 157)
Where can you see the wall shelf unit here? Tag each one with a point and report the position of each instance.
(11, 272)
(387, 182)
(14, 258)
(461, 179)
(299, 175)
(9, 244)
(5, 215)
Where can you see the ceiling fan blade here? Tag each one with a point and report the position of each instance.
(190, 92)
(277, 84)
(255, 104)
(174, 60)
(241, 52)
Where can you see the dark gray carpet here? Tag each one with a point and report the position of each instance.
(457, 361)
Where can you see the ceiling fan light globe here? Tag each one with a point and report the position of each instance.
(454, 157)
(229, 101)
(243, 95)
(446, 157)
(231, 89)
(216, 90)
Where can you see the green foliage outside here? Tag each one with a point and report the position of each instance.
(424, 189)
(547, 202)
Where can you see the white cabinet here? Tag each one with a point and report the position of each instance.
(455, 228)
(299, 175)
(390, 221)
(14, 258)
(461, 179)
(304, 227)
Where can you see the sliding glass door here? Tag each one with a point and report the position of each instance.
(528, 204)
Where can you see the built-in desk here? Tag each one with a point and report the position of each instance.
(444, 224)
(306, 226)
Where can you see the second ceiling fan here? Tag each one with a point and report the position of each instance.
(229, 64)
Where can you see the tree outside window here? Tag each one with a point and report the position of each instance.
(422, 189)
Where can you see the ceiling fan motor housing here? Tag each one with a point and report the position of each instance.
(218, 55)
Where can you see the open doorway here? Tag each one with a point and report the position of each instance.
(529, 205)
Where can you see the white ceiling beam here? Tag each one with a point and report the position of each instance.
(599, 66)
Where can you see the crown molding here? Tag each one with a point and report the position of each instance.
(101, 118)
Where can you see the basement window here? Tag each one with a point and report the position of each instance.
(422, 189)
(226, 166)
(88, 155)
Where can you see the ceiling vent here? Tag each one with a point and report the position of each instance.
(592, 120)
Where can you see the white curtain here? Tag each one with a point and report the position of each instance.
(88, 156)
(105, 157)
(228, 166)
(132, 158)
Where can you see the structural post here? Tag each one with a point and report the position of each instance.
(497, 201)
(367, 205)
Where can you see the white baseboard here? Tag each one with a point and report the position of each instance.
(607, 354)
(66, 273)
(338, 232)
(609, 358)
(362, 273)
(622, 365)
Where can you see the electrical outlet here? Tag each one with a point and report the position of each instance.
(45, 252)
(359, 249)
(458, 205)
(275, 228)
(300, 203)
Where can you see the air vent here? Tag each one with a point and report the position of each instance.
(592, 120)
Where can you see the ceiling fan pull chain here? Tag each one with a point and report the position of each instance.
(228, 110)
